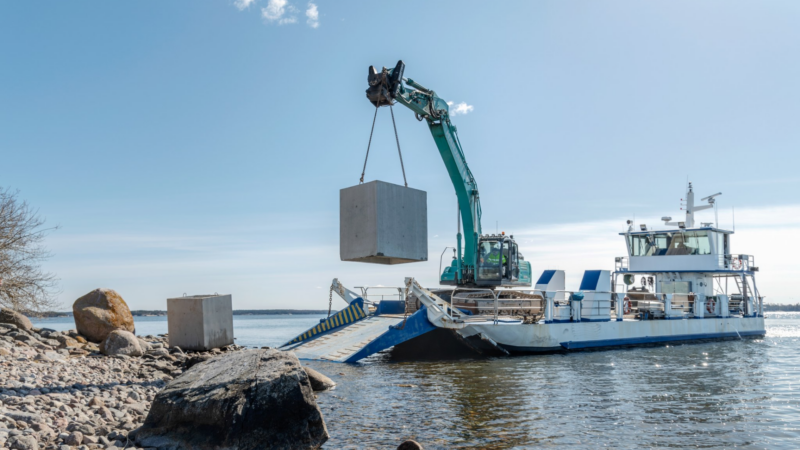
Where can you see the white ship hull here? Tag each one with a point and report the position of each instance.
(541, 337)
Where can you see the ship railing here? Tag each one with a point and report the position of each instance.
(374, 298)
(620, 263)
(743, 263)
(655, 303)
(496, 305)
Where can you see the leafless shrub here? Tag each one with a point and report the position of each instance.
(24, 287)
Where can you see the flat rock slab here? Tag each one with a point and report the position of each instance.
(244, 400)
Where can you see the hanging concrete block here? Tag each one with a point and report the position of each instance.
(383, 223)
(200, 322)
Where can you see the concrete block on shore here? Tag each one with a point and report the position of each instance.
(383, 223)
(200, 322)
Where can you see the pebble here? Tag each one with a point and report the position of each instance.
(58, 392)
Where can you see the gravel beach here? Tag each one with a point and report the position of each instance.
(57, 391)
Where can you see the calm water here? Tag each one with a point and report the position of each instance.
(732, 394)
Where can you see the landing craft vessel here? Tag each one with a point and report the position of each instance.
(675, 284)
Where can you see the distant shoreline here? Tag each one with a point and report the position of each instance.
(236, 312)
(768, 307)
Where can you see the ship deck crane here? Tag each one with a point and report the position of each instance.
(486, 260)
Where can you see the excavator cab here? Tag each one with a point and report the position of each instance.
(499, 263)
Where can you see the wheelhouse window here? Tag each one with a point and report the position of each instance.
(670, 243)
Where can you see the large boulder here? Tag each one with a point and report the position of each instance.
(15, 318)
(244, 400)
(100, 312)
(121, 342)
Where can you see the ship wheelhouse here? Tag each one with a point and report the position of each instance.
(686, 271)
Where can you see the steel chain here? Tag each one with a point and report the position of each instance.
(330, 301)
(391, 110)
(368, 145)
(396, 138)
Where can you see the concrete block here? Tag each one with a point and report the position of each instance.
(383, 223)
(200, 322)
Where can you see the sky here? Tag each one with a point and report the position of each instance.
(197, 147)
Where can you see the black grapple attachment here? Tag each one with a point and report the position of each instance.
(385, 85)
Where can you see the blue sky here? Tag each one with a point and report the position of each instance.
(193, 147)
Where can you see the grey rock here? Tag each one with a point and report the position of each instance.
(22, 416)
(74, 438)
(146, 347)
(243, 400)
(49, 355)
(66, 341)
(81, 428)
(319, 382)
(15, 318)
(120, 342)
(23, 443)
(159, 351)
(51, 342)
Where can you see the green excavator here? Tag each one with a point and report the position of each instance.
(486, 260)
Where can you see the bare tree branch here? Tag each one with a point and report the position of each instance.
(24, 287)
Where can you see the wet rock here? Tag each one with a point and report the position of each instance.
(121, 342)
(100, 312)
(410, 445)
(243, 400)
(15, 318)
(319, 382)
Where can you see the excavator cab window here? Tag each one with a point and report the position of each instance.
(491, 261)
(498, 261)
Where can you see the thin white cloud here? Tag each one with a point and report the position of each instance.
(279, 11)
(460, 108)
(260, 270)
(313, 15)
(243, 4)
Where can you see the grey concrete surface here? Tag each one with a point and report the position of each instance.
(383, 223)
(200, 322)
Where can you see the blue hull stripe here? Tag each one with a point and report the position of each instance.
(654, 339)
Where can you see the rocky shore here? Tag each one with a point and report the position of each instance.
(57, 391)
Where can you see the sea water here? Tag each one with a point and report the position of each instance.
(728, 394)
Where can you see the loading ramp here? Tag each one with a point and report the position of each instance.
(357, 340)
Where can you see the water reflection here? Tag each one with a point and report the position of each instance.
(710, 395)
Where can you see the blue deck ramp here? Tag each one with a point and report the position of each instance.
(361, 338)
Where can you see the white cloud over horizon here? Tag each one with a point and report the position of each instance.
(460, 108)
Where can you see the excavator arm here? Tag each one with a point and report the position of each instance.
(387, 87)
